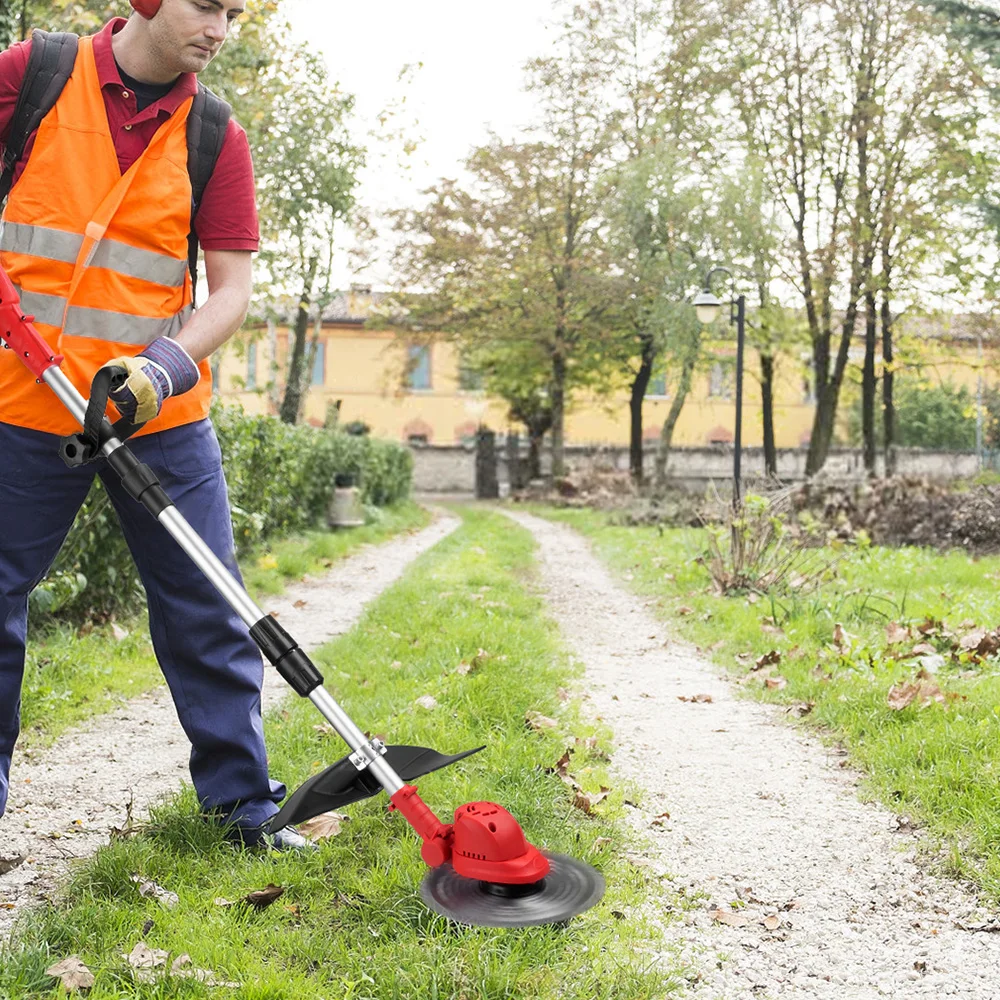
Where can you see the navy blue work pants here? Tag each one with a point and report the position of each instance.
(213, 668)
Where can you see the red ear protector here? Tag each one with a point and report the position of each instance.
(147, 8)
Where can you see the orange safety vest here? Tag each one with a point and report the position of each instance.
(100, 257)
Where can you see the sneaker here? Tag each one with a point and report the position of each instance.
(289, 839)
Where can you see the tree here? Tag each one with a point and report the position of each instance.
(307, 167)
(852, 103)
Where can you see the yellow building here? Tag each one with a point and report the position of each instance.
(415, 392)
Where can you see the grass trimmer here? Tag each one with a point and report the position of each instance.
(483, 869)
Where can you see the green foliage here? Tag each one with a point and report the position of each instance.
(280, 481)
(927, 416)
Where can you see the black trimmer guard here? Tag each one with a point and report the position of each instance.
(342, 783)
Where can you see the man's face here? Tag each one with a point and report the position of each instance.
(189, 33)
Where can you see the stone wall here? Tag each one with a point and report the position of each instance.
(452, 468)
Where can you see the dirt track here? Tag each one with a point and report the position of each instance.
(759, 813)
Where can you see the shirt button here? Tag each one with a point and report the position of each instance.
(125, 94)
(128, 128)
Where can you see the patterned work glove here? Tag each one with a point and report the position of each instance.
(162, 370)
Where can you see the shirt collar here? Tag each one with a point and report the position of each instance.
(107, 70)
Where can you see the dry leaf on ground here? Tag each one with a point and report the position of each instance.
(72, 974)
(538, 722)
(148, 888)
(263, 898)
(685, 610)
(775, 683)
(119, 633)
(324, 826)
(586, 802)
(144, 957)
(924, 692)
(896, 634)
(728, 918)
(698, 699)
(769, 659)
(772, 922)
(427, 701)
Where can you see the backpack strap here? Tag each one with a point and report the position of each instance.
(50, 65)
(208, 122)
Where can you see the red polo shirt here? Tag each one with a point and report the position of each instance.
(227, 217)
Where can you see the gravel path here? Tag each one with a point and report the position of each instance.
(759, 812)
(65, 800)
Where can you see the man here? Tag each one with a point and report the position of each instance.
(95, 235)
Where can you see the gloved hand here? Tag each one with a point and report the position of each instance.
(162, 370)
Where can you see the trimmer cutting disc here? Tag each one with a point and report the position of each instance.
(570, 888)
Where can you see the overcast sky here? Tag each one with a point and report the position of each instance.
(472, 54)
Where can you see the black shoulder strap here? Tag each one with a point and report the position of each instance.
(50, 65)
(208, 122)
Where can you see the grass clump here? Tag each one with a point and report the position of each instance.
(889, 622)
(350, 922)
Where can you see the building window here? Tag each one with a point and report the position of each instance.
(657, 385)
(469, 380)
(720, 381)
(252, 365)
(418, 368)
(319, 364)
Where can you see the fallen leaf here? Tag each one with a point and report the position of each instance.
(587, 802)
(427, 701)
(463, 669)
(685, 610)
(396, 665)
(923, 691)
(775, 683)
(600, 843)
(149, 889)
(301, 604)
(72, 974)
(538, 722)
(800, 709)
(223, 902)
(9, 864)
(118, 632)
(728, 918)
(896, 634)
(562, 694)
(923, 649)
(752, 598)
(144, 957)
(324, 826)
(772, 922)
(660, 820)
(769, 659)
(263, 898)
(700, 699)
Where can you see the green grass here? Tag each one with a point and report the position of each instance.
(73, 673)
(351, 923)
(939, 765)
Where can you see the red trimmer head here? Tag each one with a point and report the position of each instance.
(486, 873)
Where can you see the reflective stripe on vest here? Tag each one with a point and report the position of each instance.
(102, 324)
(57, 244)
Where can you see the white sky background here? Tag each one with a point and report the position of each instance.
(471, 81)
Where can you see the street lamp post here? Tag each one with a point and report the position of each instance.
(707, 306)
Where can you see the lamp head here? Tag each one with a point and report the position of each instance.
(707, 306)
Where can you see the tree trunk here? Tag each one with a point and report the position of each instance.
(558, 415)
(638, 396)
(676, 405)
(535, 442)
(888, 380)
(767, 404)
(868, 386)
(292, 403)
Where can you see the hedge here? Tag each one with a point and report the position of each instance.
(281, 479)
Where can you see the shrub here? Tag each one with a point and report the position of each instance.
(280, 478)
